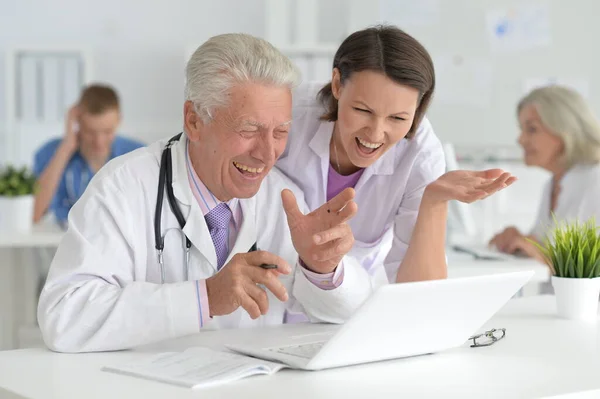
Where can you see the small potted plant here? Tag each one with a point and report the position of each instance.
(16, 199)
(572, 251)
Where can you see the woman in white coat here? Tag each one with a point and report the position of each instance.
(366, 129)
(560, 134)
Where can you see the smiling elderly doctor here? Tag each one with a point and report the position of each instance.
(115, 284)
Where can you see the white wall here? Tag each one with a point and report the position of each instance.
(460, 32)
(333, 20)
(138, 46)
(2, 101)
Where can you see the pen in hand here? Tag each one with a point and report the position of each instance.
(264, 265)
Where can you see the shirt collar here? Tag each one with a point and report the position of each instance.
(320, 146)
(205, 198)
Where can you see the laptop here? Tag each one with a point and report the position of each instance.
(398, 321)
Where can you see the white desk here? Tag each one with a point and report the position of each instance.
(19, 277)
(465, 265)
(45, 234)
(541, 356)
(462, 264)
(470, 267)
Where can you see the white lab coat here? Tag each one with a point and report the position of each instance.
(103, 290)
(578, 199)
(388, 193)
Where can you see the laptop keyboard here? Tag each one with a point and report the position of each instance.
(306, 351)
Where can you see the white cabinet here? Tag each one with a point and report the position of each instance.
(41, 84)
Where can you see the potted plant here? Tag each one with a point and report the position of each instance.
(16, 199)
(572, 251)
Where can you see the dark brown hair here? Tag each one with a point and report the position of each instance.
(391, 51)
(97, 99)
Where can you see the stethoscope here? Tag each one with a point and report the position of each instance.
(165, 180)
(72, 194)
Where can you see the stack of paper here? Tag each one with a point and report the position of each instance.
(196, 367)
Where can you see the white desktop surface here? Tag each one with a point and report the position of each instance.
(45, 234)
(24, 258)
(476, 267)
(541, 356)
(465, 265)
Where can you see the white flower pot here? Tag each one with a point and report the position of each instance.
(16, 214)
(577, 298)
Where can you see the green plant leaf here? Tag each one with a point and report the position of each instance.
(559, 264)
(579, 265)
(595, 269)
(545, 249)
(15, 182)
(573, 248)
(594, 251)
(570, 272)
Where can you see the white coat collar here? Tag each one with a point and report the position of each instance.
(320, 146)
(195, 228)
(181, 187)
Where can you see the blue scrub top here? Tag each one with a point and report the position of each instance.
(77, 173)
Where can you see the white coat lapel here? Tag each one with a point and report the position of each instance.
(197, 231)
(195, 227)
(320, 146)
(383, 166)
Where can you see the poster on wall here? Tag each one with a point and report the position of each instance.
(519, 28)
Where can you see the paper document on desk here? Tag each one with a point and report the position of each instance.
(485, 253)
(196, 367)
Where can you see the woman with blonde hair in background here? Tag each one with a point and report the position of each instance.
(560, 134)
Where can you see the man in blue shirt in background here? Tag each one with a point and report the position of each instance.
(64, 166)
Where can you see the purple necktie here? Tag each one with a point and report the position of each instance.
(218, 225)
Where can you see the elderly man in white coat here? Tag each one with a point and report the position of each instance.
(199, 232)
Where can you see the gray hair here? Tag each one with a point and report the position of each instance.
(225, 60)
(567, 115)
